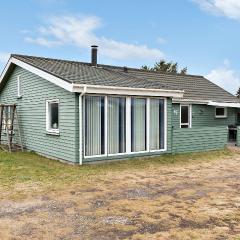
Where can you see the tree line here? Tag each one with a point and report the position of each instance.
(165, 67)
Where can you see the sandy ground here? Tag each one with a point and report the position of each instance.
(191, 201)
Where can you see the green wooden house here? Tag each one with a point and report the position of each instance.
(82, 112)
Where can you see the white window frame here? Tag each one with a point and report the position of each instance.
(221, 116)
(19, 90)
(189, 124)
(48, 129)
(128, 126)
(165, 125)
(105, 128)
(129, 141)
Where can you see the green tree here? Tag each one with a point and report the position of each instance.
(166, 67)
(238, 93)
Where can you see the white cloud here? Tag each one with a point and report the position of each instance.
(42, 41)
(80, 32)
(225, 77)
(228, 8)
(4, 57)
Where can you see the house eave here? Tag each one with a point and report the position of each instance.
(223, 104)
(111, 90)
(207, 102)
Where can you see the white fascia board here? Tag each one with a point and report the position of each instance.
(109, 90)
(5, 70)
(221, 104)
(206, 102)
(51, 78)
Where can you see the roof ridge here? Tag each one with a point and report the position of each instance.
(48, 58)
(151, 71)
(109, 66)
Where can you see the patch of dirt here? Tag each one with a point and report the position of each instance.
(197, 201)
(12, 209)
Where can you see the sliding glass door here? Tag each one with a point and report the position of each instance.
(138, 124)
(156, 127)
(94, 125)
(116, 125)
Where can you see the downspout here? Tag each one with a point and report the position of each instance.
(80, 125)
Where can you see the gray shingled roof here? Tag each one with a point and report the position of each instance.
(85, 73)
(195, 87)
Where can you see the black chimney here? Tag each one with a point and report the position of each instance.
(94, 55)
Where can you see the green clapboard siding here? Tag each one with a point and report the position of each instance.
(32, 115)
(199, 139)
(204, 116)
(169, 125)
(238, 137)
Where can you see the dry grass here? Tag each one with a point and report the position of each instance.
(188, 196)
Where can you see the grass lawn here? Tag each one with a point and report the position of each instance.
(187, 196)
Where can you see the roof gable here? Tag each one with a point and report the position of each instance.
(50, 77)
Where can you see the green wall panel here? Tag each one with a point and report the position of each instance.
(199, 139)
(204, 116)
(238, 137)
(32, 115)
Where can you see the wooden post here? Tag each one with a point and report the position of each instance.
(12, 115)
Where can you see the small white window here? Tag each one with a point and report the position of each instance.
(19, 92)
(185, 116)
(220, 112)
(52, 116)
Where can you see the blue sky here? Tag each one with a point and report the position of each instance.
(200, 34)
